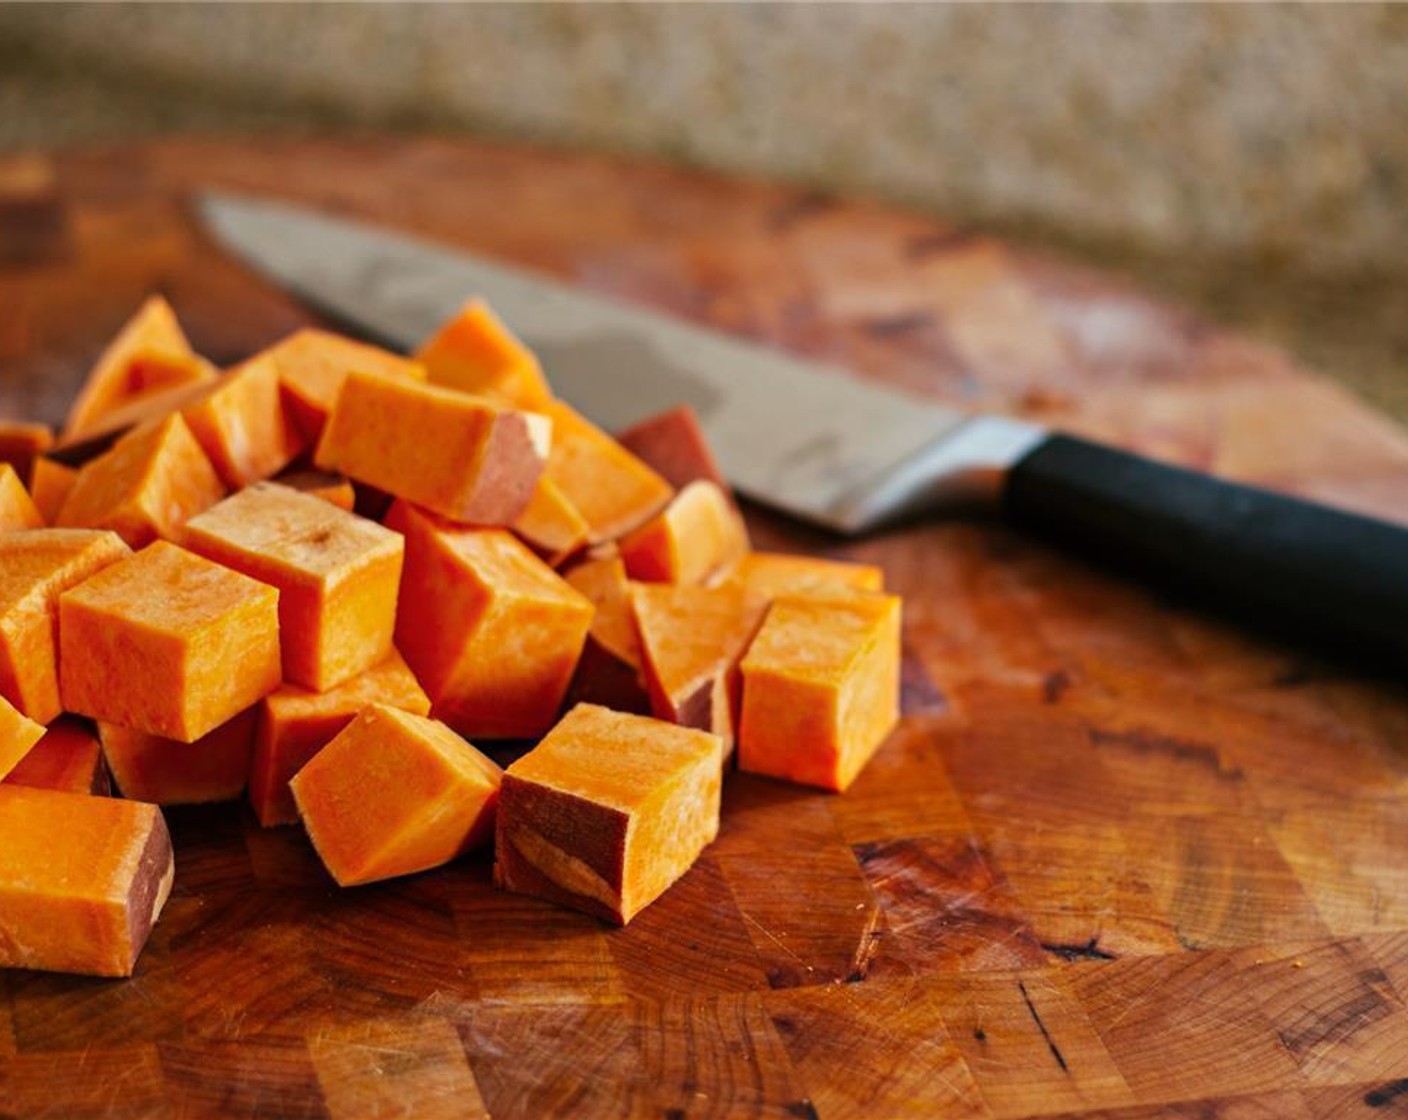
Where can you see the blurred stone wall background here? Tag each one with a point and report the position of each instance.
(1252, 160)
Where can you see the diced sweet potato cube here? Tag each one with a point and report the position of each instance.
(17, 508)
(459, 455)
(82, 880)
(334, 488)
(697, 539)
(150, 335)
(337, 576)
(35, 569)
(167, 772)
(49, 486)
(492, 632)
(394, 794)
(67, 759)
(168, 642)
(21, 443)
(18, 734)
(771, 574)
(692, 639)
(673, 444)
(613, 490)
(132, 413)
(607, 811)
(820, 688)
(241, 425)
(295, 724)
(313, 364)
(147, 486)
(550, 524)
(156, 371)
(609, 671)
(475, 353)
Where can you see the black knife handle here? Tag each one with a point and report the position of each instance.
(1307, 570)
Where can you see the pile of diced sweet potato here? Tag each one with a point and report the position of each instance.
(317, 578)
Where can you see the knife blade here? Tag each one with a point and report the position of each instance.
(849, 455)
(813, 441)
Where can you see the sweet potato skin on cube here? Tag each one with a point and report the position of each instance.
(167, 772)
(820, 688)
(491, 632)
(312, 365)
(673, 444)
(167, 642)
(338, 576)
(459, 455)
(697, 539)
(18, 735)
(394, 794)
(607, 811)
(152, 331)
(17, 508)
(35, 569)
(67, 759)
(692, 639)
(82, 880)
(295, 724)
(613, 490)
(475, 353)
(146, 486)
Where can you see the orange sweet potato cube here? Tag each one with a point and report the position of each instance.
(459, 455)
(151, 337)
(608, 811)
(18, 735)
(167, 772)
(21, 443)
(49, 484)
(334, 488)
(475, 353)
(609, 671)
(491, 632)
(17, 508)
(770, 574)
(550, 524)
(613, 490)
(337, 576)
(394, 794)
(82, 880)
(67, 759)
(146, 486)
(241, 425)
(673, 444)
(313, 364)
(35, 569)
(692, 639)
(820, 687)
(696, 539)
(168, 642)
(295, 724)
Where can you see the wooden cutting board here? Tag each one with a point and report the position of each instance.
(1117, 856)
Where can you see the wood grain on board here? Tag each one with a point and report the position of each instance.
(1120, 859)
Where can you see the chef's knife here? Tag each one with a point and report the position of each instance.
(847, 454)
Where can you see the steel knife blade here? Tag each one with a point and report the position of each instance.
(813, 441)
